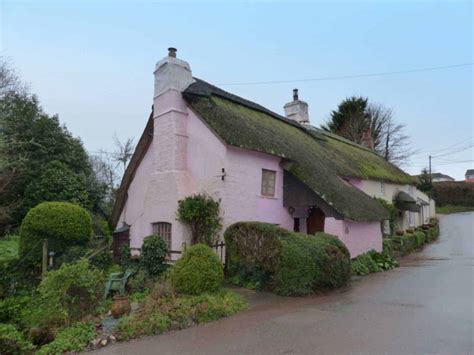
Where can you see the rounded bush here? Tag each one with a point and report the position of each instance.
(199, 270)
(272, 258)
(153, 255)
(62, 224)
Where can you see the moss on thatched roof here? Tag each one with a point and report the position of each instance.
(320, 160)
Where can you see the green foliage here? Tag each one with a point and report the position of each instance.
(153, 255)
(57, 183)
(139, 282)
(72, 339)
(164, 310)
(350, 119)
(102, 260)
(12, 342)
(63, 224)
(8, 260)
(448, 209)
(198, 270)
(9, 247)
(457, 193)
(11, 308)
(73, 291)
(424, 182)
(201, 212)
(31, 140)
(390, 207)
(268, 257)
(371, 262)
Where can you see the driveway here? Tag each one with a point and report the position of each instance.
(424, 307)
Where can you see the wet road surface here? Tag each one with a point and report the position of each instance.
(424, 307)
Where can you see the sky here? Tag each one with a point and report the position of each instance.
(92, 62)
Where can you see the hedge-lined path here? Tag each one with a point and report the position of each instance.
(425, 306)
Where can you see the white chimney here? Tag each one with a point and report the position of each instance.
(297, 110)
(172, 73)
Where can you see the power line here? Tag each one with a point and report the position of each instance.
(351, 76)
(452, 146)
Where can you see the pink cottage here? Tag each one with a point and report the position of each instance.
(260, 165)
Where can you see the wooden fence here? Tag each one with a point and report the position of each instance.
(219, 249)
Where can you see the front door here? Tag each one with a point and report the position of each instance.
(315, 221)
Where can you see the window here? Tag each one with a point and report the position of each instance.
(382, 188)
(268, 182)
(163, 229)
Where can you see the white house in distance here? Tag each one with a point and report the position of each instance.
(262, 166)
(439, 177)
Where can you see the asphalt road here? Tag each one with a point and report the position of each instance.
(424, 307)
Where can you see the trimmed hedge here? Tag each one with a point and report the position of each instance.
(410, 242)
(63, 224)
(198, 270)
(264, 256)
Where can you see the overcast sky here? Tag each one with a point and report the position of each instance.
(91, 62)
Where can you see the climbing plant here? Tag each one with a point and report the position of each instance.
(202, 215)
(393, 213)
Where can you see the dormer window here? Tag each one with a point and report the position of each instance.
(268, 183)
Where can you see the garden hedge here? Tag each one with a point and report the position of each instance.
(63, 224)
(264, 256)
(408, 243)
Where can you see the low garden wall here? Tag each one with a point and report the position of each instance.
(264, 256)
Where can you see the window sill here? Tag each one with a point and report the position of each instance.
(268, 197)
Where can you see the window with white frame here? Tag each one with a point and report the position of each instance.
(268, 183)
(382, 188)
(163, 229)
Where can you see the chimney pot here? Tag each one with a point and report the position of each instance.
(297, 110)
(172, 52)
(295, 94)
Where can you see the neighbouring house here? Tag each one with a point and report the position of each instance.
(469, 176)
(262, 167)
(438, 177)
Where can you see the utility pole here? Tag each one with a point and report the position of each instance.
(44, 264)
(431, 179)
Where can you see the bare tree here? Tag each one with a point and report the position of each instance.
(390, 140)
(355, 114)
(9, 80)
(123, 151)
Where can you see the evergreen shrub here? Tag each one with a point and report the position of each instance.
(63, 224)
(153, 255)
(198, 270)
(268, 257)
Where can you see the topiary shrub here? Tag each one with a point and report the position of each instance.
(63, 224)
(284, 262)
(12, 342)
(73, 291)
(153, 255)
(198, 270)
(201, 213)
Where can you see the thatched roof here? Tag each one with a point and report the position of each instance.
(319, 159)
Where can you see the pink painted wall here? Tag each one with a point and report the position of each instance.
(156, 187)
(358, 237)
